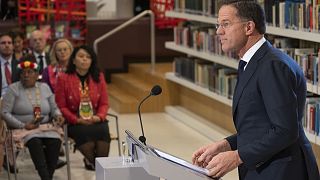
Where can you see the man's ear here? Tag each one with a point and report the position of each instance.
(250, 27)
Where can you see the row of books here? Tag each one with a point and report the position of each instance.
(306, 56)
(311, 120)
(204, 39)
(222, 80)
(215, 77)
(203, 7)
(200, 38)
(293, 14)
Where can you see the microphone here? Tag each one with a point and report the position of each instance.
(156, 90)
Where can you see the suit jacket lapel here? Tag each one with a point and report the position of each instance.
(247, 74)
(14, 70)
(47, 59)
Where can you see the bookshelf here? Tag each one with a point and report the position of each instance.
(223, 60)
(228, 62)
(297, 34)
(232, 63)
(205, 91)
(312, 137)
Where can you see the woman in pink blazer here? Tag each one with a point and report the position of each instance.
(81, 95)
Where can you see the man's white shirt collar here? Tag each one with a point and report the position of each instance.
(3, 61)
(248, 55)
(37, 55)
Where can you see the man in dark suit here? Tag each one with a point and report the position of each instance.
(9, 71)
(38, 43)
(268, 106)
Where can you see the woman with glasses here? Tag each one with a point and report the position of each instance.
(59, 57)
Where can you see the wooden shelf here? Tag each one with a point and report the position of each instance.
(223, 60)
(312, 137)
(193, 17)
(204, 91)
(296, 34)
(313, 88)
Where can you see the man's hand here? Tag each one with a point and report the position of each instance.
(223, 163)
(203, 155)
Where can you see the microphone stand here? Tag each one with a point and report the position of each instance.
(142, 138)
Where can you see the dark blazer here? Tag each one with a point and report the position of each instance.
(268, 107)
(47, 59)
(14, 70)
(14, 73)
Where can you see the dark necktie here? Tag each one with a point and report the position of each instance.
(7, 73)
(40, 63)
(241, 66)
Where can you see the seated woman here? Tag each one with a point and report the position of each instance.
(27, 108)
(59, 57)
(83, 101)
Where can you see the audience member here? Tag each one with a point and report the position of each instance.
(59, 57)
(27, 108)
(38, 44)
(18, 45)
(83, 101)
(9, 72)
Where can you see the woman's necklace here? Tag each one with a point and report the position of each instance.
(35, 102)
(85, 107)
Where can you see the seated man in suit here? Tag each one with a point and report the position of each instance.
(38, 43)
(9, 71)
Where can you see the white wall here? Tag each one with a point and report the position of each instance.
(109, 9)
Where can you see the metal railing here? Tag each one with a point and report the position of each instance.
(127, 23)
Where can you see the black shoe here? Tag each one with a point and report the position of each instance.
(89, 166)
(60, 163)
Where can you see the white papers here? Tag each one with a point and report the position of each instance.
(182, 162)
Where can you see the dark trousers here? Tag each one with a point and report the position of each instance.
(44, 154)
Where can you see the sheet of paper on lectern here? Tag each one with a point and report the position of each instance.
(182, 162)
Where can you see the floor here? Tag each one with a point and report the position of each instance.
(161, 130)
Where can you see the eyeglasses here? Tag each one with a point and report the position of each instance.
(226, 24)
(62, 49)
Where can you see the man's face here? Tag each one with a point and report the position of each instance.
(37, 42)
(232, 30)
(6, 46)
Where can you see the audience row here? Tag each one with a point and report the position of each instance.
(41, 91)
